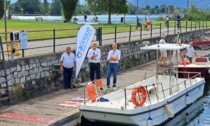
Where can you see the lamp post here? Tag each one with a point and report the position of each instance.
(146, 11)
(187, 8)
(5, 20)
(137, 10)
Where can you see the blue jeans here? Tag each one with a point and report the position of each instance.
(112, 68)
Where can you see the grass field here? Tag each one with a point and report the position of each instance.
(44, 30)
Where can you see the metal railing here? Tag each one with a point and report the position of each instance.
(109, 34)
(163, 91)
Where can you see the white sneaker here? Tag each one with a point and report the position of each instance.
(107, 89)
(114, 88)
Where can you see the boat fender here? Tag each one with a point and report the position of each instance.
(169, 110)
(187, 99)
(184, 63)
(187, 118)
(149, 122)
(141, 92)
(92, 93)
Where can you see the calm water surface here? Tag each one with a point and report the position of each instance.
(102, 18)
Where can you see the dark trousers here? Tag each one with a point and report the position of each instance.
(67, 75)
(94, 68)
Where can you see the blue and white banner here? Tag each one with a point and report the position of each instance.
(84, 38)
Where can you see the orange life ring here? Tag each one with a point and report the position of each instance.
(136, 92)
(92, 95)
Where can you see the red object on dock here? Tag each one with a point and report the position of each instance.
(27, 118)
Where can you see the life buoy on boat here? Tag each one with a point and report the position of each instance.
(92, 93)
(141, 92)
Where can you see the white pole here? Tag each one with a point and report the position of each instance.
(5, 20)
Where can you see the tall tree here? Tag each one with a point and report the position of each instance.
(68, 7)
(46, 6)
(163, 8)
(30, 6)
(55, 7)
(109, 6)
(1, 8)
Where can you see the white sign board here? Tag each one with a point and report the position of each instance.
(23, 40)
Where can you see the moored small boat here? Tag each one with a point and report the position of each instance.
(148, 102)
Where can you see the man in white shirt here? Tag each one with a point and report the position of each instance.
(94, 56)
(163, 53)
(189, 52)
(113, 59)
(67, 65)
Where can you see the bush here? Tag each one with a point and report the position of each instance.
(160, 19)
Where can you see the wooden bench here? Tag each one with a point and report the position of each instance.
(38, 18)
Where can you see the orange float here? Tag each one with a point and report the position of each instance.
(92, 93)
(184, 63)
(136, 92)
(99, 83)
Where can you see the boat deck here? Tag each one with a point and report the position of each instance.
(156, 93)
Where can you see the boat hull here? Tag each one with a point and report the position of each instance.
(139, 116)
(191, 72)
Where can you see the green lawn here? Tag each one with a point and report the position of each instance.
(44, 30)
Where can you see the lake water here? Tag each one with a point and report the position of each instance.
(102, 18)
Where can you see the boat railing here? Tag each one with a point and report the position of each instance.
(188, 73)
(161, 92)
(156, 89)
(184, 83)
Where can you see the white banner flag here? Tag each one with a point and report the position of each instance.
(84, 38)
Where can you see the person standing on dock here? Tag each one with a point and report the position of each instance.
(113, 59)
(94, 56)
(163, 53)
(67, 65)
(188, 53)
(178, 20)
(149, 22)
(85, 18)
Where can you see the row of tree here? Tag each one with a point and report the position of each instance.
(72, 7)
(36, 7)
(54, 8)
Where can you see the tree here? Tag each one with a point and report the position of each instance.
(68, 7)
(29, 6)
(1, 8)
(156, 9)
(46, 6)
(55, 8)
(109, 6)
(163, 8)
(171, 8)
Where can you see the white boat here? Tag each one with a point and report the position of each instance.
(161, 97)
